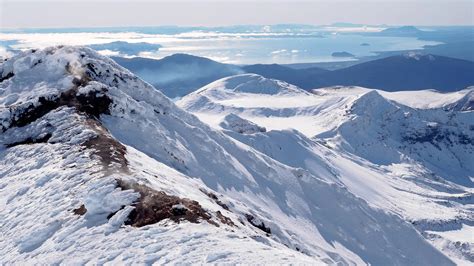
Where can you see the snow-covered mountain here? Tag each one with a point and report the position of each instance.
(408, 153)
(98, 166)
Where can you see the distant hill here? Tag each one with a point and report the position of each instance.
(178, 74)
(299, 77)
(401, 31)
(181, 74)
(342, 54)
(404, 72)
(400, 72)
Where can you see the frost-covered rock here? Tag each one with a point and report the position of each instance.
(240, 125)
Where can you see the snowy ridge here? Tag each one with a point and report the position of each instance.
(249, 83)
(437, 146)
(466, 103)
(122, 174)
(214, 101)
(434, 137)
(424, 99)
(74, 142)
(394, 156)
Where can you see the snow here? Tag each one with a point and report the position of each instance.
(321, 203)
(421, 99)
(249, 83)
(357, 137)
(42, 184)
(457, 242)
(427, 99)
(278, 108)
(237, 124)
(464, 234)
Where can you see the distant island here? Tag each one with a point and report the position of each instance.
(365, 44)
(342, 54)
(405, 30)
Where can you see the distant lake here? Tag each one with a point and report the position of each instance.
(227, 47)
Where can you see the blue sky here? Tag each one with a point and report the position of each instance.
(73, 13)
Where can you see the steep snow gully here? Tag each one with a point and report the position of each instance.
(98, 166)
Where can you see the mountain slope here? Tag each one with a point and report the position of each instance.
(395, 157)
(434, 137)
(407, 72)
(178, 74)
(122, 174)
(181, 74)
(276, 105)
(299, 77)
(395, 73)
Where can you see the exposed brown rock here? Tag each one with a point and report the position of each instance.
(154, 206)
(109, 150)
(80, 211)
(93, 103)
(224, 219)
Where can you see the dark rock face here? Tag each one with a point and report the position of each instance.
(215, 198)
(259, 224)
(7, 76)
(31, 140)
(93, 104)
(25, 116)
(154, 206)
(437, 135)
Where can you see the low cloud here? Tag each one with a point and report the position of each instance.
(279, 51)
(4, 53)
